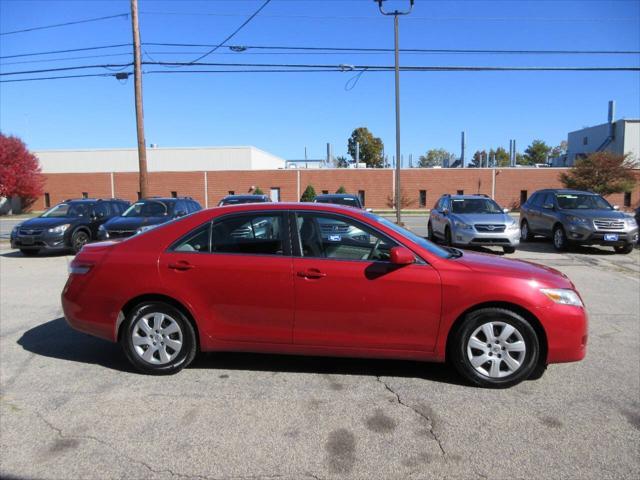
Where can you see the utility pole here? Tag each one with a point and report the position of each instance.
(137, 76)
(396, 14)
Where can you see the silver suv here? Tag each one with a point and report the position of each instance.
(473, 220)
(576, 217)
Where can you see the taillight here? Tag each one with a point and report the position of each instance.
(77, 268)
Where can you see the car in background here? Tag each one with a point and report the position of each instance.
(146, 214)
(345, 199)
(473, 220)
(200, 284)
(574, 217)
(67, 226)
(239, 199)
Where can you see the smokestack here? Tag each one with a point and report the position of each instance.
(611, 117)
(462, 145)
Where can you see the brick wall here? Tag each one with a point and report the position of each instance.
(376, 183)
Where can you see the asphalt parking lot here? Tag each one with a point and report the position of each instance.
(71, 407)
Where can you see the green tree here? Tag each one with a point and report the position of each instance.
(601, 172)
(309, 194)
(434, 158)
(537, 152)
(342, 161)
(341, 189)
(371, 147)
(502, 157)
(479, 159)
(258, 191)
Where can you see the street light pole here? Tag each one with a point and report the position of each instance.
(396, 14)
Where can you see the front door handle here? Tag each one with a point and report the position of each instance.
(312, 273)
(181, 265)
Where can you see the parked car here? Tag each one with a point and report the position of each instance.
(238, 199)
(473, 220)
(146, 214)
(575, 217)
(340, 199)
(67, 226)
(200, 283)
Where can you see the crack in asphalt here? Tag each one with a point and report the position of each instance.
(61, 434)
(429, 420)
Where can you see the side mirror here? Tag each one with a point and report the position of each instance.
(402, 256)
(369, 210)
(616, 207)
(445, 211)
(548, 206)
(505, 210)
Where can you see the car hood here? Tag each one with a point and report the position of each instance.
(44, 222)
(473, 218)
(500, 266)
(133, 223)
(584, 213)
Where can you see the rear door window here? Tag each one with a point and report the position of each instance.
(257, 233)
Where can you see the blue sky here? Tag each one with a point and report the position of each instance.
(284, 113)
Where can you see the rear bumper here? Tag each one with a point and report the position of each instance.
(91, 315)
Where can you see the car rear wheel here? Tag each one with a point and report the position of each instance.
(29, 253)
(525, 233)
(626, 248)
(560, 241)
(509, 249)
(495, 348)
(158, 339)
(78, 240)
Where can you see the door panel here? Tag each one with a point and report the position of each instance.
(366, 304)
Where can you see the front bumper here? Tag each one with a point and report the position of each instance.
(43, 241)
(566, 328)
(585, 235)
(508, 238)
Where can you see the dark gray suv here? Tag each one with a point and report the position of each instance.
(577, 217)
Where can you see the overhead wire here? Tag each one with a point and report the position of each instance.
(66, 24)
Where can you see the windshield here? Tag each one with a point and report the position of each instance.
(423, 242)
(348, 201)
(474, 205)
(148, 209)
(579, 201)
(68, 210)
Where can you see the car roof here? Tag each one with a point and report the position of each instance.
(567, 191)
(321, 207)
(336, 195)
(464, 197)
(248, 195)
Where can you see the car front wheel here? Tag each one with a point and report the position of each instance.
(430, 232)
(78, 240)
(560, 241)
(158, 339)
(626, 248)
(525, 233)
(495, 348)
(509, 249)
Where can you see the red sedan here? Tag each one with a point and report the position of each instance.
(321, 279)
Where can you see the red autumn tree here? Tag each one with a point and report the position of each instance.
(19, 171)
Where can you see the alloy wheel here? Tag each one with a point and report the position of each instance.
(157, 338)
(524, 231)
(496, 349)
(558, 239)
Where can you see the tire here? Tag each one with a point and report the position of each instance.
(169, 337)
(29, 253)
(79, 239)
(430, 235)
(525, 232)
(447, 236)
(624, 249)
(559, 239)
(485, 327)
(509, 249)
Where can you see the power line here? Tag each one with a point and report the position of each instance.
(66, 24)
(62, 69)
(14, 80)
(229, 37)
(32, 54)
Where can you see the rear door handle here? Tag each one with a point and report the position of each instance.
(312, 273)
(181, 265)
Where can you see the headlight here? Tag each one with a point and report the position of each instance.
(59, 228)
(631, 222)
(14, 230)
(513, 226)
(462, 225)
(574, 219)
(563, 296)
(145, 228)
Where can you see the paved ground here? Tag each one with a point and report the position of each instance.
(70, 406)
